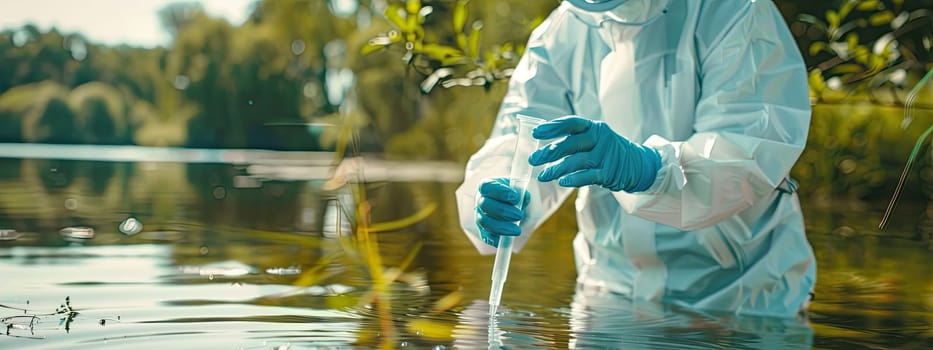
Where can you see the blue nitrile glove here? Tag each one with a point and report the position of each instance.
(496, 211)
(593, 154)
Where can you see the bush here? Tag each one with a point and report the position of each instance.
(101, 113)
(857, 152)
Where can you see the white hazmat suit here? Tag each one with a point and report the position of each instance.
(719, 89)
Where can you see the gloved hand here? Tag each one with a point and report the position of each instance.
(497, 213)
(593, 154)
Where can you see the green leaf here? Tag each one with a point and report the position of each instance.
(881, 18)
(810, 19)
(460, 15)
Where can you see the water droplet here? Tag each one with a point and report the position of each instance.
(219, 192)
(343, 8)
(310, 90)
(71, 204)
(10, 235)
(249, 102)
(75, 45)
(77, 234)
(130, 226)
(340, 288)
(21, 37)
(298, 47)
(181, 82)
(204, 250)
(284, 271)
(246, 182)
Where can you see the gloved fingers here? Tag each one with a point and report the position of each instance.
(496, 226)
(570, 164)
(489, 239)
(500, 190)
(562, 126)
(572, 144)
(525, 203)
(498, 209)
(582, 178)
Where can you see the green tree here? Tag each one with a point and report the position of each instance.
(53, 122)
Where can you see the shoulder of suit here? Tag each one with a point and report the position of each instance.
(559, 20)
(716, 18)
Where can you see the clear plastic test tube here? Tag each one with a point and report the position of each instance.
(519, 176)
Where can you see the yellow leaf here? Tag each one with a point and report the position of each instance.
(847, 68)
(431, 329)
(832, 18)
(440, 52)
(341, 301)
(852, 41)
(816, 47)
(402, 223)
(447, 302)
(846, 8)
(462, 41)
(314, 275)
(411, 256)
(867, 5)
(370, 48)
(816, 82)
(881, 18)
(474, 40)
(392, 13)
(460, 15)
(413, 6)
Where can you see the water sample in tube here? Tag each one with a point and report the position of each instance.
(519, 176)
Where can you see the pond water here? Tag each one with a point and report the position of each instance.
(242, 250)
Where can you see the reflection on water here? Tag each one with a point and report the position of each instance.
(185, 255)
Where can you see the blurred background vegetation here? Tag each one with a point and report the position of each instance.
(422, 80)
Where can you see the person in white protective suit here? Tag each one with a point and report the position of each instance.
(678, 122)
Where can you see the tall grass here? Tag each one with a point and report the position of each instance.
(908, 118)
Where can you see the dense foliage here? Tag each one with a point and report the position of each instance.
(418, 79)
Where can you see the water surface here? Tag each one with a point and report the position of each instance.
(240, 250)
